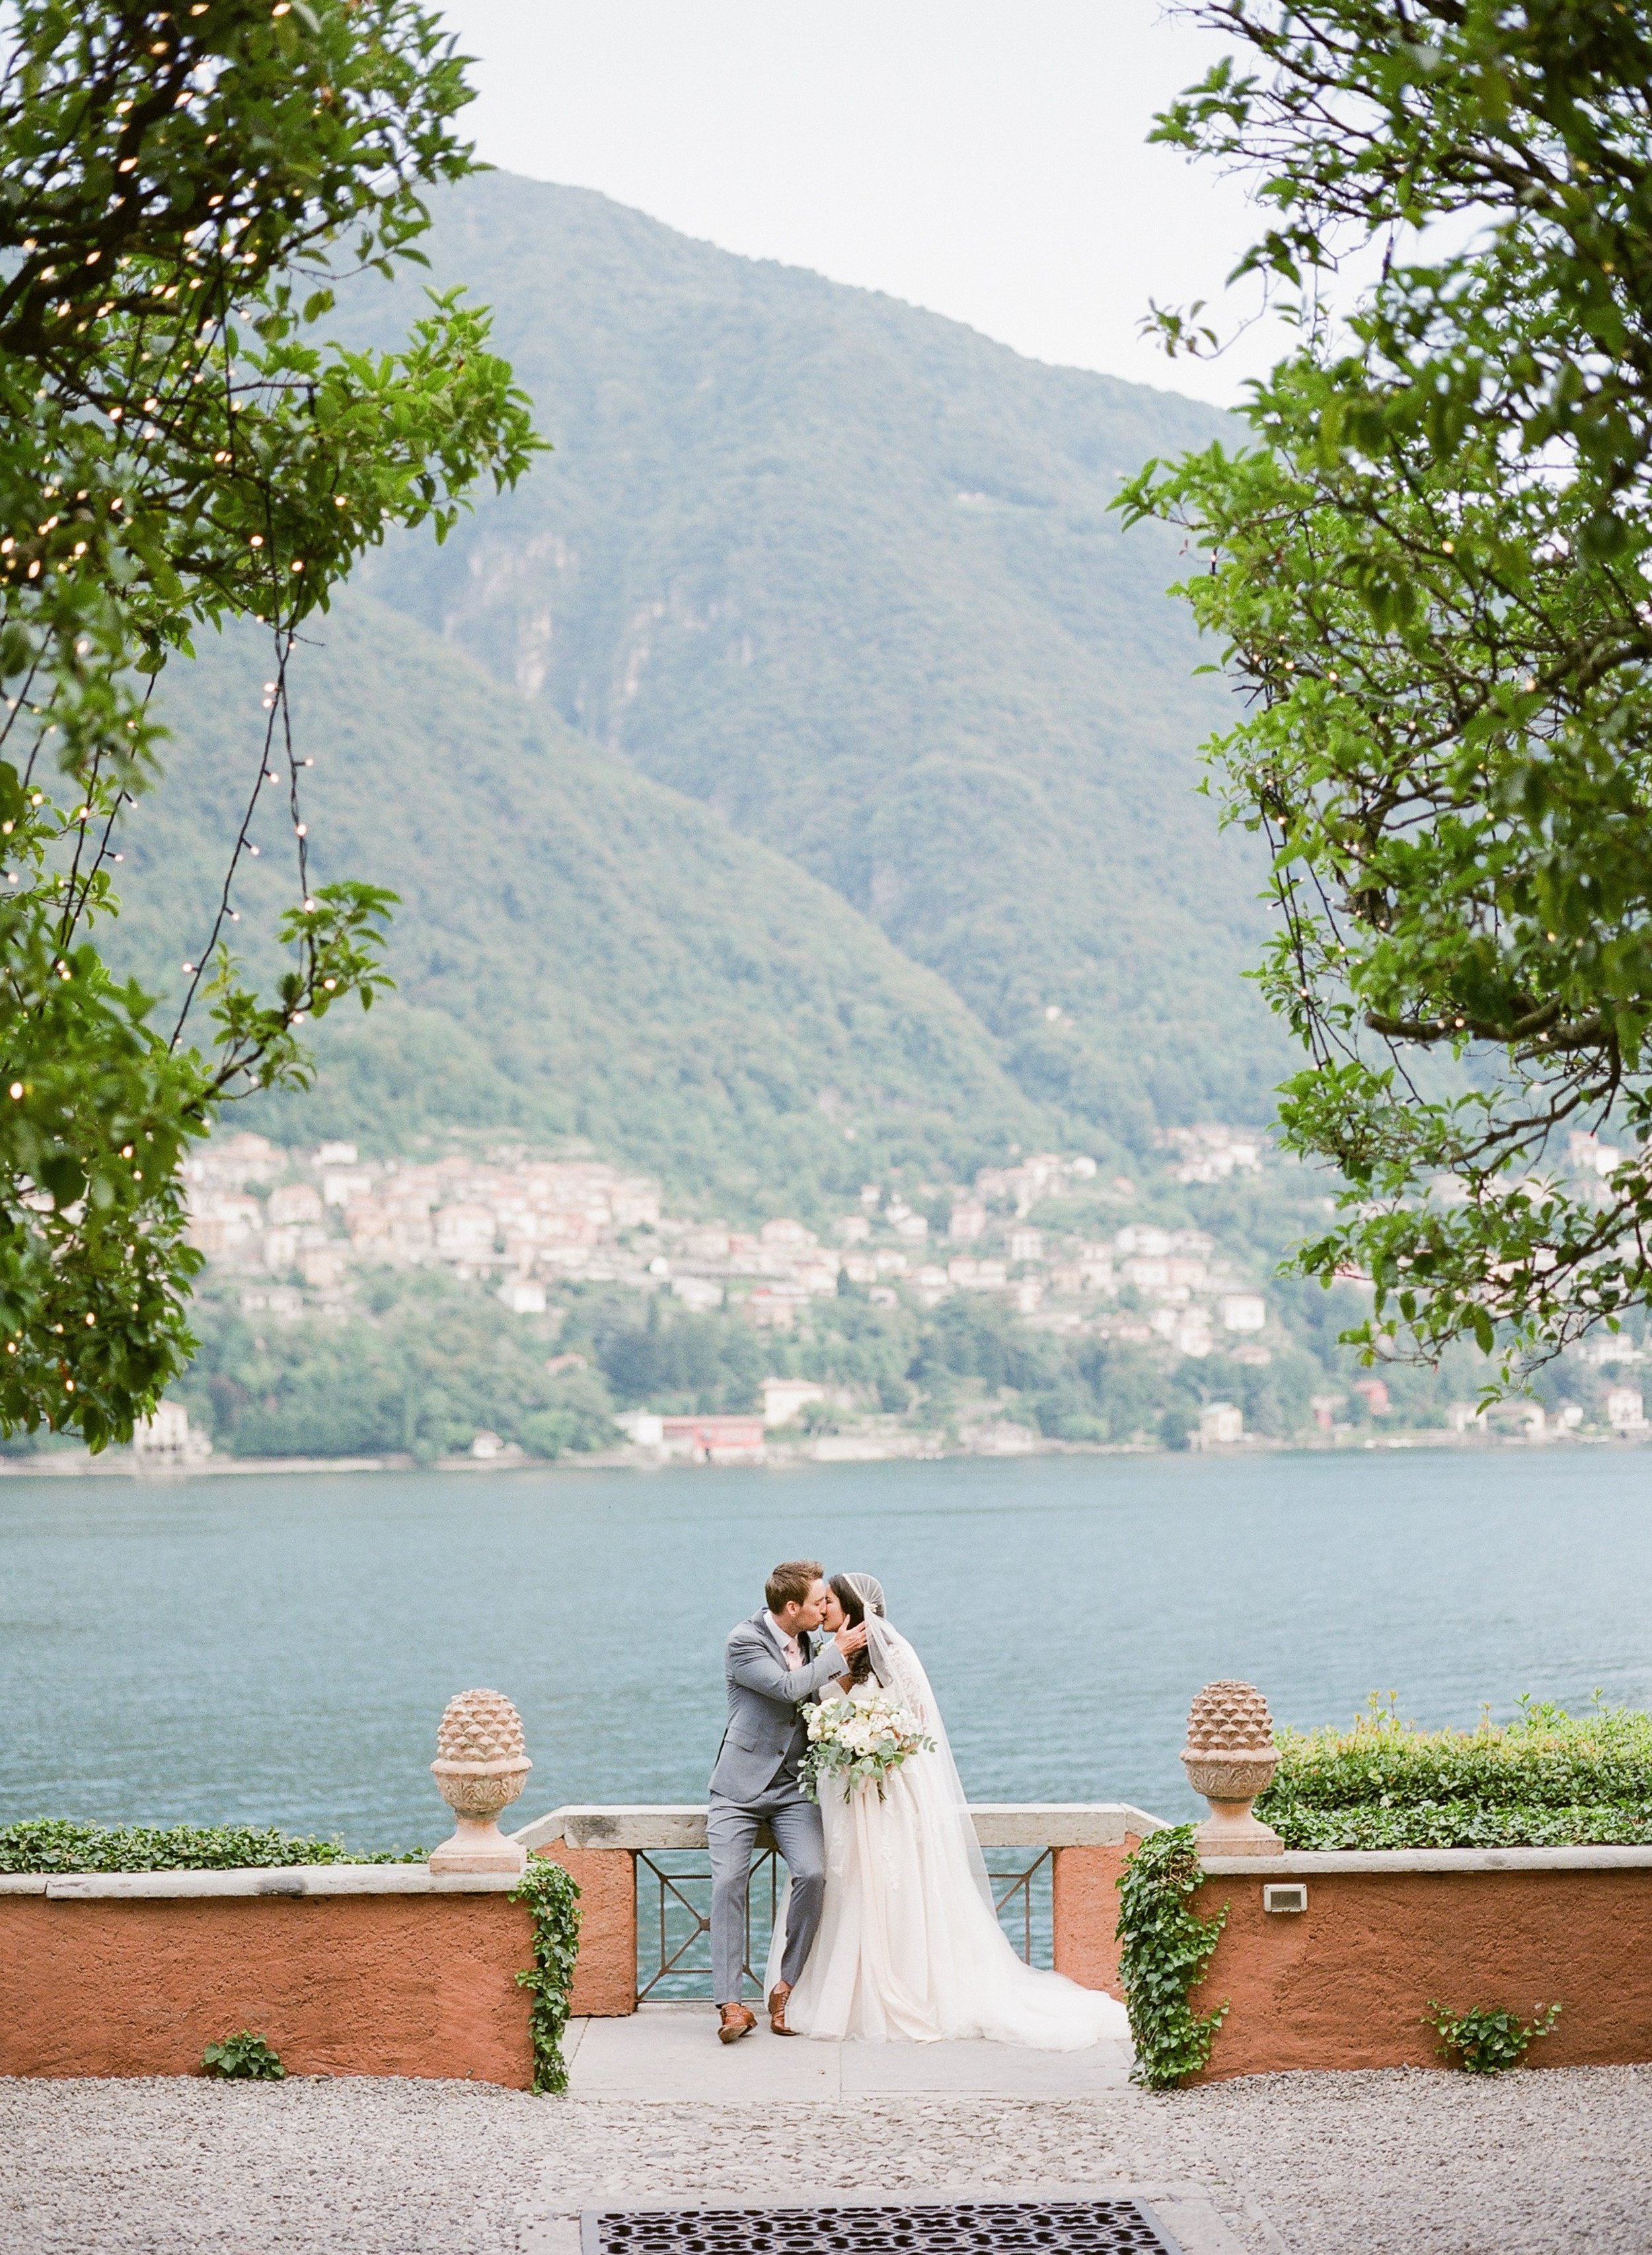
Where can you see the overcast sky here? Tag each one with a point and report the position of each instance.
(983, 157)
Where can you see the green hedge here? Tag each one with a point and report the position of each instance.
(1546, 1779)
(51, 1844)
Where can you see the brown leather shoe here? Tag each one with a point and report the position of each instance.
(779, 1998)
(737, 2021)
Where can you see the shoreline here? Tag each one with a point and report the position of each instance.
(785, 1458)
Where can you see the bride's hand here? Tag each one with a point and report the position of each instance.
(851, 1641)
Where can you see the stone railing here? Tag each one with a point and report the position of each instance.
(998, 1824)
(646, 1885)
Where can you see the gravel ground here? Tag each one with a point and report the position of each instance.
(1542, 2162)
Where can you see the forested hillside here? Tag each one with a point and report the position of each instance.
(580, 950)
(845, 572)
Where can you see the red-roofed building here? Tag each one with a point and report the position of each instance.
(714, 1440)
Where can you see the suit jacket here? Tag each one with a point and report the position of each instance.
(765, 1732)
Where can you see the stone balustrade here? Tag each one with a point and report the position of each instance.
(998, 1824)
(1088, 1841)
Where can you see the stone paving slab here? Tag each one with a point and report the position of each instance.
(670, 2053)
(986, 2070)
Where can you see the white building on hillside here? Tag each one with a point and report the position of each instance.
(163, 1442)
(1221, 1425)
(1626, 1410)
(783, 1397)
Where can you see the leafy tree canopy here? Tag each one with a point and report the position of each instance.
(1430, 571)
(180, 186)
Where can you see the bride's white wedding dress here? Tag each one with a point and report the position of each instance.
(909, 1948)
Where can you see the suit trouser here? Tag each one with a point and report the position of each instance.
(731, 1833)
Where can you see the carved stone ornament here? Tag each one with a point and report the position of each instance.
(1230, 1757)
(481, 1767)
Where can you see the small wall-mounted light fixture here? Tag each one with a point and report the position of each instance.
(1285, 1895)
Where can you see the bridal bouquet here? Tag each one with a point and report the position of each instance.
(862, 1739)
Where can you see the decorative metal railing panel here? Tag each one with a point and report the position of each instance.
(673, 1915)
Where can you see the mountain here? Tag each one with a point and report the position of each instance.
(845, 572)
(581, 952)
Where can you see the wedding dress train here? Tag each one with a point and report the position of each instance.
(909, 1948)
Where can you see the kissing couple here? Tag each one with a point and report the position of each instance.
(888, 1931)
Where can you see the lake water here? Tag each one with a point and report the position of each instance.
(278, 1649)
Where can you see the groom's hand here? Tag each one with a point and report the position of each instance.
(851, 1641)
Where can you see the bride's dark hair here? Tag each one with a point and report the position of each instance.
(852, 1604)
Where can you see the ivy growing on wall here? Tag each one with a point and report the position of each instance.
(1167, 1947)
(554, 1903)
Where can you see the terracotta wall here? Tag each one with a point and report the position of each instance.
(1086, 1905)
(1345, 1983)
(425, 1985)
(605, 1978)
(340, 1985)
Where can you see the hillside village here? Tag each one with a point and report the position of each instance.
(294, 1227)
(293, 1237)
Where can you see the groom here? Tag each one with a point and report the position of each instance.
(772, 1668)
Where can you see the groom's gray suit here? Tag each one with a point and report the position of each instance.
(755, 1782)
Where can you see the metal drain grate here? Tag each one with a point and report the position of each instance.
(1077, 2227)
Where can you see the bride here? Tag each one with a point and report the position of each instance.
(909, 1948)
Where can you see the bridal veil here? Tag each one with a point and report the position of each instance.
(901, 1673)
